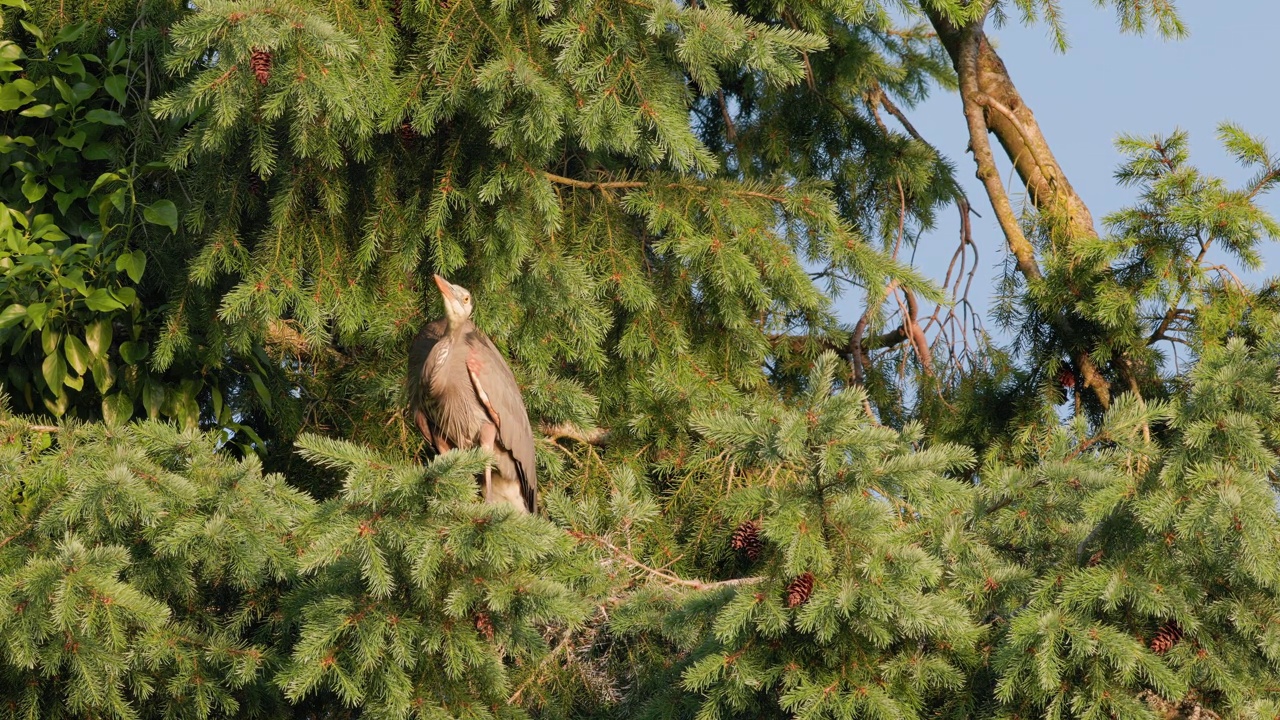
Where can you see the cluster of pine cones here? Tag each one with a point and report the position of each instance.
(746, 539)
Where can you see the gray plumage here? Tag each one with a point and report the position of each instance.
(463, 395)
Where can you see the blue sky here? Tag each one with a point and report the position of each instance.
(1106, 84)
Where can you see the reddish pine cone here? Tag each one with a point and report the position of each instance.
(747, 540)
(408, 133)
(484, 625)
(1066, 378)
(1166, 638)
(255, 184)
(261, 63)
(799, 590)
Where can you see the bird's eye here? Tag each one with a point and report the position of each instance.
(466, 298)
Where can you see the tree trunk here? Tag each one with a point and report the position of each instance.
(992, 105)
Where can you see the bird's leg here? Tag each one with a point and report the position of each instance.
(488, 433)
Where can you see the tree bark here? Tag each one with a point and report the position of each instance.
(1015, 127)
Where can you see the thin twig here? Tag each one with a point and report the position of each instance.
(564, 645)
(667, 577)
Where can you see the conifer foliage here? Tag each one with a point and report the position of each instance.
(220, 216)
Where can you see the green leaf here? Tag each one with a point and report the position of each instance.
(117, 408)
(104, 374)
(162, 212)
(78, 354)
(63, 200)
(54, 369)
(35, 31)
(74, 280)
(63, 89)
(116, 51)
(38, 111)
(98, 337)
(97, 151)
(36, 312)
(126, 295)
(218, 406)
(45, 228)
(33, 189)
(261, 388)
(58, 405)
(132, 263)
(10, 50)
(20, 4)
(74, 140)
(101, 301)
(11, 315)
(117, 86)
(106, 117)
(152, 398)
(134, 351)
(75, 382)
(70, 32)
(11, 95)
(103, 179)
(186, 409)
(50, 337)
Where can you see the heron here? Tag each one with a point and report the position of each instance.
(464, 395)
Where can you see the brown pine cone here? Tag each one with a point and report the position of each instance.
(261, 63)
(484, 625)
(746, 538)
(1166, 638)
(799, 589)
(408, 133)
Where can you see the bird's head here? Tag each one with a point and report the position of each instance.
(457, 301)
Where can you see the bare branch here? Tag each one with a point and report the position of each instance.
(588, 185)
(562, 431)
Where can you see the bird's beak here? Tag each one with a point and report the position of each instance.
(446, 290)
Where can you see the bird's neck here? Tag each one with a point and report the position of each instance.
(459, 327)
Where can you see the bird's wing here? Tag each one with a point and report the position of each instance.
(419, 350)
(498, 391)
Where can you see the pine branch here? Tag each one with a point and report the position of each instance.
(636, 184)
(662, 575)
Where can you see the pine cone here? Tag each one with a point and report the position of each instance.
(408, 133)
(1166, 638)
(747, 540)
(255, 185)
(484, 625)
(261, 63)
(1066, 378)
(799, 589)
(397, 6)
